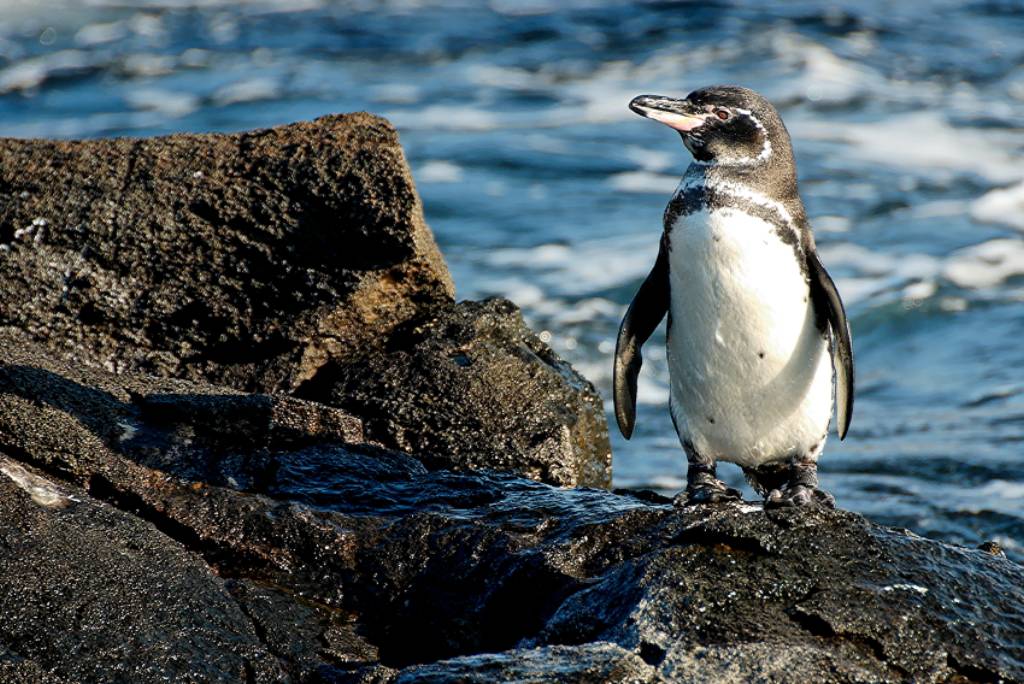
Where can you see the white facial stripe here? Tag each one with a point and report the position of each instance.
(766, 148)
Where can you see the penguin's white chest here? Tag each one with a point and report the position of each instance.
(751, 376)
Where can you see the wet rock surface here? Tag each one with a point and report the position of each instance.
(599, 662)
(471, 386)
(307, 554)
(93, 593)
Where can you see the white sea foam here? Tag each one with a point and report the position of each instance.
(652, 159)
(650, 390)
(396, 93)
(830, 224)
(149, 65)
(987, 264)
(643, 182)
(585, 267)
(923, 142)
(493, 75)
(101, 33)
(32, 73)
(1002, 489)
(147, 25)
(446, 117)
(814, 72)
(438, 171)
(86, 126)
(938, 209)
(44, 7)
(248, 90)
(920, 290)
(166, 102)
(588, 310)
(878, 276)
(1002, 205)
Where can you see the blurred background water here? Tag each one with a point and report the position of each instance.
(542, 187)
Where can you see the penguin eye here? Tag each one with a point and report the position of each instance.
(722, 114)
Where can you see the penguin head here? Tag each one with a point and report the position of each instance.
(721, 125)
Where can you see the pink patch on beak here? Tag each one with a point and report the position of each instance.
(680, 122)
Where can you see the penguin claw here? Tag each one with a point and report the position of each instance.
(825, 499)
(707, 494)
(796, 496)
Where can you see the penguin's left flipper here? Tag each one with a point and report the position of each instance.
(826, 299)
(642, 318)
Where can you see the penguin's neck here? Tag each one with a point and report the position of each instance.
(766, 186)
(778, 184)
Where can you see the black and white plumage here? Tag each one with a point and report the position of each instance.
(757, 333)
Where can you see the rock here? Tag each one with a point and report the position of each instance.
(803, 596)
(147, 450)
(243, 259)
(14, 668)
(353, 562)
(599, 662)
(469, 387)
(293, 258)
(97, 594)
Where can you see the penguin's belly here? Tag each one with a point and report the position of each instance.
(751, 375)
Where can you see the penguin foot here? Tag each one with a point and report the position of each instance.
(707, 493)
(702, 484)
(797, 495)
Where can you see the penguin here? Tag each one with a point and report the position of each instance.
(758, 338)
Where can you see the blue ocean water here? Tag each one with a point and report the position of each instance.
(542, 187)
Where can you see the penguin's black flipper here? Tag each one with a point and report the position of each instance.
(642, 317)
(826, 299)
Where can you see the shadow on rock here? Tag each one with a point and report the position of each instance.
(340, 560)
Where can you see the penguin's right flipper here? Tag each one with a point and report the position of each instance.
(823, 290)
(642, 317)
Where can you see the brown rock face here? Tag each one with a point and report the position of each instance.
(269, 261)
(245, 260)
(470, 387)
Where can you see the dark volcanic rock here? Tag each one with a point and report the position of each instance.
(14, 668)
(600, 662)
(97, 594)
(330, 560)
(471, 387)
(243, 259)
(268, 260)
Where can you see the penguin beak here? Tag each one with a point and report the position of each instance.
(679, 114)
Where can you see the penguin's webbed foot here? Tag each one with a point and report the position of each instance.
(707, 489)
(797, 495)
(708, 495)
(790, 484)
